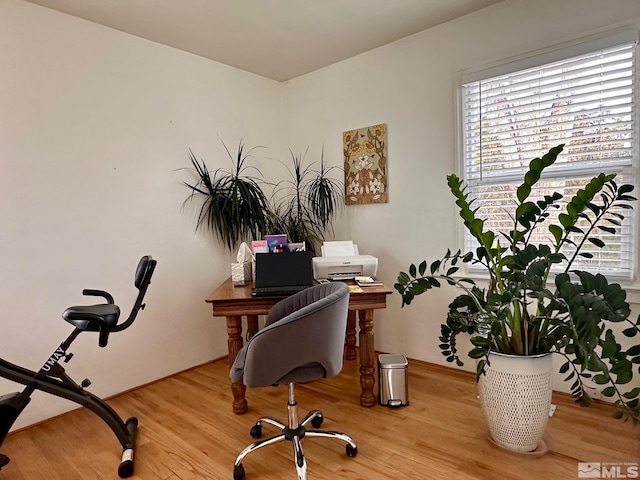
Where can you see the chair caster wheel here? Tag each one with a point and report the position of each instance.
(256, 431)
(317, 421)
(3, 460)
(351, 451)
(238, 472)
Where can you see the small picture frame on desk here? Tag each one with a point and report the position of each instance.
(276, 243)
(259, 246)
(297, 247)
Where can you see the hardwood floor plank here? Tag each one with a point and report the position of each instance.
(188, 432)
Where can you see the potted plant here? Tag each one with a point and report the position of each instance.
(234, 206)
(303, 206)
(536, 303)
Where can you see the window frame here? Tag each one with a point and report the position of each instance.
(541, 58)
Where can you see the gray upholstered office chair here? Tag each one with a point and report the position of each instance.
(303, 340)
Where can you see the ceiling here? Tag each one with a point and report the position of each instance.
(278, 39)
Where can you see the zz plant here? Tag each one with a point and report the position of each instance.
(536, 301)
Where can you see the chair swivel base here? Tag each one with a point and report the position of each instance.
(293, 434)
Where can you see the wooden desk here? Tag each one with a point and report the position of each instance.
(236, 302)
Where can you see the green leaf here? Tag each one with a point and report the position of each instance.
(596, 241)
(526, 213)
(574, 229)
(565, 220)
(480, 367)
(593, 207)
(626, 188)
(556, 231)
(481, 341)
(407, 298)
(600, 379)
(610, 230)
(435, 266)
(624, 371)
(478, 352)
(633, 351)
(627, 198)
(632, 394)
(609, 391)
(423, 267)
(523, 192)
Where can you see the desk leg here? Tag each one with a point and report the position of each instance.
(234, 344)
(350, 340)
(252, 325)
(367, 378)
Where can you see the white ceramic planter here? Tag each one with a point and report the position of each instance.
(515, 394)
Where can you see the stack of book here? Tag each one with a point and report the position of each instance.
(368, 282)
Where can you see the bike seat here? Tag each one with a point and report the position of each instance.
(93, 318)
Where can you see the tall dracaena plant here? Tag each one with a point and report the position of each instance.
(519, 313)
(234, 207)
(306, 203)
(325, 195)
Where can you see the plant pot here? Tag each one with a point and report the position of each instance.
(515, 394)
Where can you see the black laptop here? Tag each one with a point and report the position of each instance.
(282, 274)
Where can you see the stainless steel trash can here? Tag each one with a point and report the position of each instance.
(392, 375)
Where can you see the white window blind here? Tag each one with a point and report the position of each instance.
(586, 102)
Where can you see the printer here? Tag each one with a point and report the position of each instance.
(343, 268)
(341, 260)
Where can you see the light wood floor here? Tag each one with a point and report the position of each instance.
(187, 431)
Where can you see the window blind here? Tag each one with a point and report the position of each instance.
(586, 102)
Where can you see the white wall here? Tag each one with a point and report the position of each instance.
(94, 124)
(411, 86)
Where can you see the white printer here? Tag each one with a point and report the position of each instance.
(341, 261)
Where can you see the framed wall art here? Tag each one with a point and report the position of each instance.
(365, 165)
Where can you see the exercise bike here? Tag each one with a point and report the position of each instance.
(51, 377)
